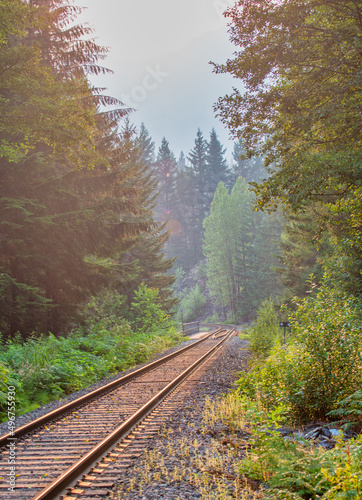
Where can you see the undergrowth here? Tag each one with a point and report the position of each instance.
(44, 368)
(285, 468)
(321, 363)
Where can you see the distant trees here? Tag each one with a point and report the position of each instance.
(186, 196)
(250, 169)
(165, 173)
(239, 246)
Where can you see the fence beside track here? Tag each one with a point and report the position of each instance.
(190, 328)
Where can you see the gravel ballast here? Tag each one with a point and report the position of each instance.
(42, 410)
(166, 470)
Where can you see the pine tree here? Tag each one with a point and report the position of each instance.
(238, 247)
(181, 163)
(200, 207)
(303, 250)
(147, 146)
(165, 172)
(147, 254)
(217, 168)
(63, 224)
(250, 169)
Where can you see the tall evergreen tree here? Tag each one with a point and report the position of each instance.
(165, 172)
(147, 146)
(184, 240)
(250, 169)
(238, 248)
(302, 251)
(217, 167)
(199, 175)
(181, 162)
(63, 224)
(147, 255)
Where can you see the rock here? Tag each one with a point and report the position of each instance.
(336, 432)
(313, 434)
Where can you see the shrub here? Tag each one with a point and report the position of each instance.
(292, 468)
(147, 315)
(320, 366)
(192, 304)
(264, 333)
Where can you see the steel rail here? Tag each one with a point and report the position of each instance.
(58, 412)
(66, 479)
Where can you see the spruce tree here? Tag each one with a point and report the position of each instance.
(147, 146)
(165, 173)
(63, 224)
(147, 254)
(199, 174)
(250, 169)
(217, 168)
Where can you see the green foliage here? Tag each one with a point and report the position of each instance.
(192, 304)
(349, 408)
(107, 306)
(297, 471)
(321, 364)
(4, 382)
(146, 314)
(76, 191)
(265, 331)
(238, 246)
(290, 468)
(303, 250)
(48, 367)
(286, 55)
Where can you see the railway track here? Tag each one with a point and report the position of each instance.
(80, 449)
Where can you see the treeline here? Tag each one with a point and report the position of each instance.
(76, 190)
(187, 187)
(207, 206)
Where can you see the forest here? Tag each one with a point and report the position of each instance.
(105, 236)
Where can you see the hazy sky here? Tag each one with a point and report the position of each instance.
(159, 52)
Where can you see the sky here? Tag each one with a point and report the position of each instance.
(159, 51)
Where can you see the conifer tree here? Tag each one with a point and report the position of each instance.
(302, 250)
(147, 146)
(250, 169)
(165, 172)
(64, 224)
(181, 162)
(238, 247)
(217, 168)
(147, 255)
(200, 178)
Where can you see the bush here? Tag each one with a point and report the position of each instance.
(292, 468)
(192, 304)
(321, 364)
(146, 313)
(265, 332)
